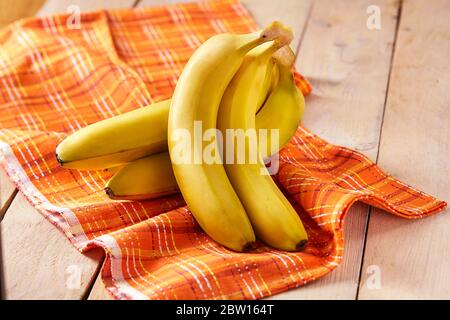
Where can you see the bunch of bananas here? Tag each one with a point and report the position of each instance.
(232, 82)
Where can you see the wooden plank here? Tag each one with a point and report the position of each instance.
(293, 12)
(348, 66)
(413, 257)
(7, 192)
(38, 260)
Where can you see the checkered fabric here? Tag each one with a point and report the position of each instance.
(55, 79)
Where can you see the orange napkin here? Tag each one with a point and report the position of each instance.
(55, 80)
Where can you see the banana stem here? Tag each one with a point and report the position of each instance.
(285, 56)
(281, 34)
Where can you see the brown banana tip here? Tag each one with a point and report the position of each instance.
(60, 161)
(301, 245)
(249, 246)
(109, 192)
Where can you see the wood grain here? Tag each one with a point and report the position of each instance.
(38, 261)
(348, 66)
(293, 12)
(414, 256)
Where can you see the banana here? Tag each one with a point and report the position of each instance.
(114, 170)
(147, 178)
(273, 218)
(287, 104)
(121, 139)
(117, 140)
(126, 137)
(152, 177)
(199, 90)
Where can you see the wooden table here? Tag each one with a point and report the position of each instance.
(384, 92)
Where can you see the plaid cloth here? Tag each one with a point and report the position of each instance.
(55, 79)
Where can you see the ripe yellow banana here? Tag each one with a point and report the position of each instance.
(118, 140)
(273, 218)
(126, 137)
(205, 186)
(286, 104)
(152, 177)
(147, 178)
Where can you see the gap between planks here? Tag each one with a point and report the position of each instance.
(370, 209)
(348, 66)
(412, 258)
(7, 192)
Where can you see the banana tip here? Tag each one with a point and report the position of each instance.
(249, 246)
(60, 161)
(301, 245)
(109, 192)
